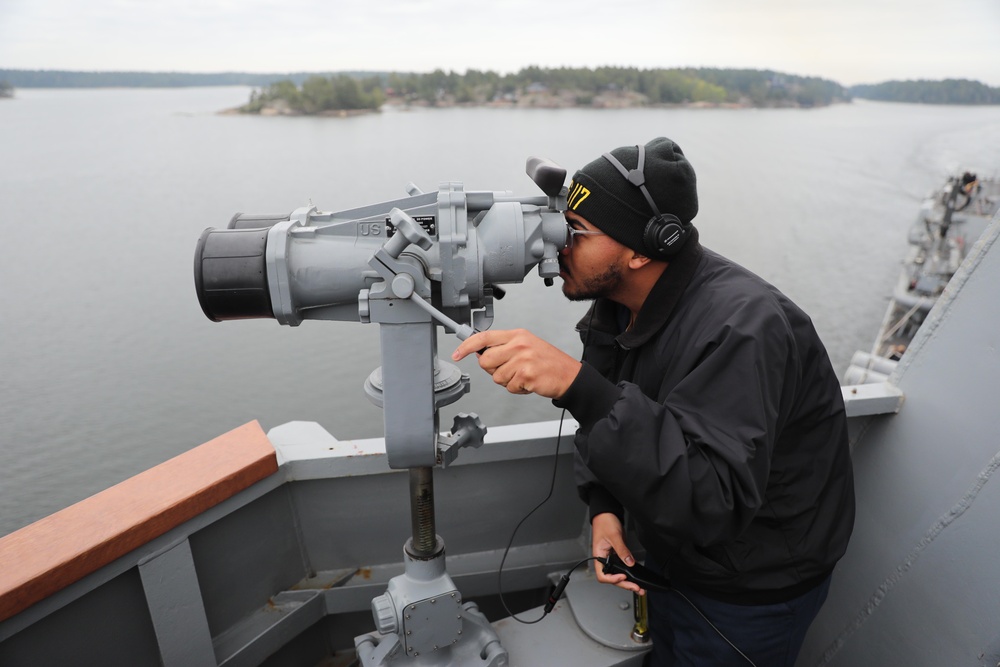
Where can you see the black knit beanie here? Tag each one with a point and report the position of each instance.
(606, 199)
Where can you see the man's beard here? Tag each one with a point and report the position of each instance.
(600, 286)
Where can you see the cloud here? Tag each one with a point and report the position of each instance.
(850, 41)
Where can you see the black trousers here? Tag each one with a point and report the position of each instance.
(681, 627)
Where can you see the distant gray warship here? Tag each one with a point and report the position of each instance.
(948, 224)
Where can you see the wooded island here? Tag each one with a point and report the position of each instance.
(608, 87)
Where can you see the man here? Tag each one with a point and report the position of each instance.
(709, 414)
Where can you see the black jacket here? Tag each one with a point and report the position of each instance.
(718, 423)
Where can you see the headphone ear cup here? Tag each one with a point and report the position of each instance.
(665, 235)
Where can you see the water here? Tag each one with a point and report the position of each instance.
(108, 366)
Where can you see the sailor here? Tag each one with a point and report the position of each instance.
(710, 417)
(969, 182)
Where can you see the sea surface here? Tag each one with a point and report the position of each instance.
(108, 365)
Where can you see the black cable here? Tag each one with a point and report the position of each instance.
(713, 626)
(552, 486)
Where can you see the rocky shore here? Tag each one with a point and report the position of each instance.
(530, 100)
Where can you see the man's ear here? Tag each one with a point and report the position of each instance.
(638, 261)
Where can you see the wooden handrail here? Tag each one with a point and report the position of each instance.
(52, 553)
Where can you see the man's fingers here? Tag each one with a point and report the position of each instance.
(479, 342)
(616, 579)
(607, 537)
(474, 343)
(521, 362)
(625, 554)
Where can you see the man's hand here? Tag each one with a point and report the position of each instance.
(607, 535)
(522, 362)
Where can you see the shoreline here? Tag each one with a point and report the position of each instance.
(276, 111)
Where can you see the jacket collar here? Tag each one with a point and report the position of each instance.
(658, 306)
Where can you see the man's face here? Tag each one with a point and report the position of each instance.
(593, 265)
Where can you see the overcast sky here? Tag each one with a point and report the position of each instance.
(849, 41)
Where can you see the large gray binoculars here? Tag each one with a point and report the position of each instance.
(447, 250)
(409, 265)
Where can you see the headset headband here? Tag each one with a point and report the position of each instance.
(636, 177)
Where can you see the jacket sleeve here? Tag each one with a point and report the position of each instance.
(694, 465)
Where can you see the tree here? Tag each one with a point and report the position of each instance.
(318, 94)
(948, 91)
(347, 93)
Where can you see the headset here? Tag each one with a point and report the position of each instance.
(665, 234)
